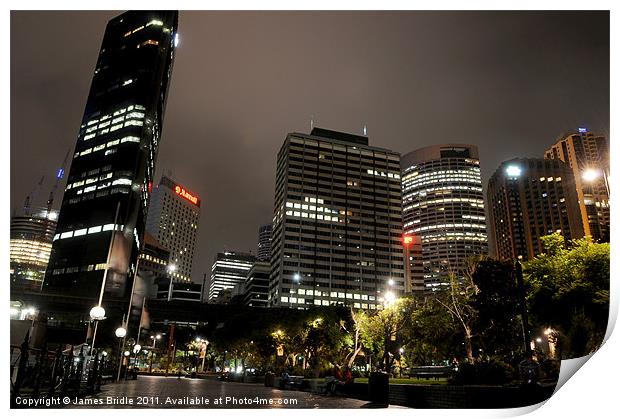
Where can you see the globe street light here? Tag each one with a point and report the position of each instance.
(97, 313)
(120, 332)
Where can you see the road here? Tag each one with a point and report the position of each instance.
(170, 392)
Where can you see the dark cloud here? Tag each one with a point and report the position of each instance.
(510, 82)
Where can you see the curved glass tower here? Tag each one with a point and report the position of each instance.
(443, 208)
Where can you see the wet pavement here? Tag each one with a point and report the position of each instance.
(170, 392)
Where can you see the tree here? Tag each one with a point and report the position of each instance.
(380, 329)
(568, 289)
(497, 306)
(431, 335)
(457, 300)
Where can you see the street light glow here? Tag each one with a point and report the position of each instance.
(97, 313)
(120, 332)
(590, 175)
(513, 171)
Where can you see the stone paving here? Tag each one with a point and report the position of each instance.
(171, 392)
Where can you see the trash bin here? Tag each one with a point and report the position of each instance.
(269, 376)
(379, 387)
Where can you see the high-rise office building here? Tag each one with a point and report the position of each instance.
(174, 214)
(105, 202)
(443, 208)
(264, 242)
(256, 287)
(30, 246)
(528, 199)
(337, 226)
(588, 156)
(230, 269)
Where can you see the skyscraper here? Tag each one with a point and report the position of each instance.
(264, 242)
(174, 214)
(105, 202)
(256, 287)
(588, 156)
(337, 226)
(443, 208)
(230, 269)
(528, 199)
(30, 246)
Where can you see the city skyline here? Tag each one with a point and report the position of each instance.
(202, 139)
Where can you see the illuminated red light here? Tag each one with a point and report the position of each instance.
(179, 190)
(407, 239)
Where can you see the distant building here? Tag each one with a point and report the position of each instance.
(264, 242)
(108, 185)
(30, 247)
(528, 199)
(588, 156)
(337, 226)
(443, 211)
(174, 215)
(256, 287)
(230, 269)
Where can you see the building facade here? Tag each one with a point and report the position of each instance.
(587, 154)
(528, 199)
(337, 226)
(30, 247)
(256, 288)
(230, 269)
(443, 211)
(174, 215)
(102, 217)
(264, 242)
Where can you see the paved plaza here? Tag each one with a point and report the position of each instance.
(170, 392)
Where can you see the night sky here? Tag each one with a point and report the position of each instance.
(509, 82)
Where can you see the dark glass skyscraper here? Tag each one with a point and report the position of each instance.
(111, 174)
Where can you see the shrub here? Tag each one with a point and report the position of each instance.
(492, 371)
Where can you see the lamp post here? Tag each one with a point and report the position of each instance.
(171, 269)
(155, 339)
(97, 313)
(120, 333)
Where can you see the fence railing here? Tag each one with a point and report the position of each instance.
(67, 371)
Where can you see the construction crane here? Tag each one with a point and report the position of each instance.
(60, 174)
(31, 196)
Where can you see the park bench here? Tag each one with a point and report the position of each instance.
(430, 371)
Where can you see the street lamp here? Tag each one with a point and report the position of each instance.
(591, 174)
(97, 313)
(120, 332)
(155, 339)
(513, 171)
(171, 269)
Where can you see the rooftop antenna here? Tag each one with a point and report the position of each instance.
(311, 122)
(365, 131)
